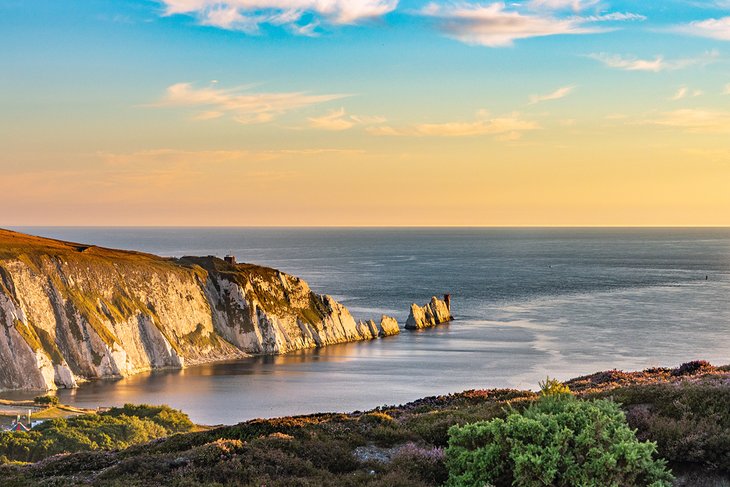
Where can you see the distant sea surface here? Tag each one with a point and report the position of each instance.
(528, 303)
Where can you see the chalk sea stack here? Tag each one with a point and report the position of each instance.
(434, 313)
(72, 312)
(388, 326)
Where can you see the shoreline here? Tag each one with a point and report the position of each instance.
(589, 384)
(394, 445)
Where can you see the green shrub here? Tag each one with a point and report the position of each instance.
(115, 429)
(553, 387)
(172, 420)
(376, 418)
(559, 441)
(419, 462)
(47, 400)
(692, 368)
(690, 422)
(433, 427)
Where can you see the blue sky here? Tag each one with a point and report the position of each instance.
(86, 84)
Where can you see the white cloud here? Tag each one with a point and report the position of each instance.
(614, 17)
(555, 95)
(338, 120)
(695, 121)
(629, 64)
(575, 5)
(712, 28)
(680, 94)
(727, 89)
(508, 127)
(495, 26)
(684, 92)
(655, 65)
(239, 103)
(300, 16)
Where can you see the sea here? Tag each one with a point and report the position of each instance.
(528, 302)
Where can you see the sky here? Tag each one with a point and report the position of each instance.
(365, 112)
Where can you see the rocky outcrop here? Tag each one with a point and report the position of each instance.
(434, 313)
(388, 326)
(71, 312)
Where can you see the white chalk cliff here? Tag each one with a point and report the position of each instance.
(70, 313)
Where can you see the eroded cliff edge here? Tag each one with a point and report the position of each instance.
(71, 312)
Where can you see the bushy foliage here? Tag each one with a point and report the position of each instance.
(115, 429)
(553, 387)
(47, 400)
(559, 441)
(172, 420)
(433, 426)
(693, 367)
(426, 464)
(690, 422)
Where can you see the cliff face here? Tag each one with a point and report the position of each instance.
(432, 314)
(71, 312)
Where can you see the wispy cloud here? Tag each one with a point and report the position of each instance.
(555, 95)
(657, 64)
(684, 92)
(338, 120)
(175, 158)
(712, 28)
(300, 16)
(507, 127)
(497, 25)
(574, 5)
(614, 17)
(695, 121)
(726, 91)
(241, 104)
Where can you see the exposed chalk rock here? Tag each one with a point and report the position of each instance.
(71, 312)
(388, 326)
(369, 328)
(434, 313)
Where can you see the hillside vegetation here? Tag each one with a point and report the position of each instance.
(684, 411)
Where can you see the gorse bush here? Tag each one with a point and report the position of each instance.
(47, 400)
(694, 367)
(553, 387)
(558, 441)
(689, 422)
(115, 429)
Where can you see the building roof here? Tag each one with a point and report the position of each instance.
(18, 426)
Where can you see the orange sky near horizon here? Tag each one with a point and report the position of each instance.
(562, 113)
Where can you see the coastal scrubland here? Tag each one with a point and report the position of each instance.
(680, 416)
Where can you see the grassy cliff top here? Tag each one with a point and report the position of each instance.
(15, 243)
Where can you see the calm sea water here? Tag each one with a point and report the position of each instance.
(528, 302)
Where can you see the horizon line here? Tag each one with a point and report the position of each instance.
(558, 226)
